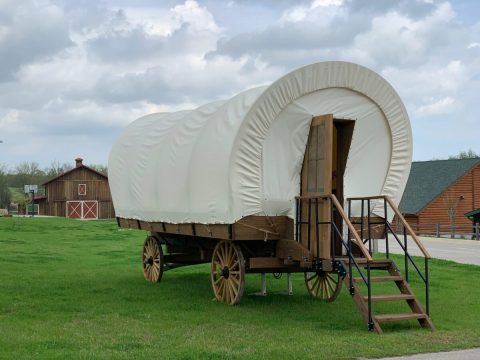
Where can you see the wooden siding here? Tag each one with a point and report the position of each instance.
(412, 220)
(476, 187)
(65, 188)
(467, 186)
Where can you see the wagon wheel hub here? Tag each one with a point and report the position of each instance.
(225, 272)
(150, 260)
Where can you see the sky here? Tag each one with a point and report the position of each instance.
(74, 74)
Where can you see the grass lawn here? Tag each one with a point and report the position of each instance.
(75, 289)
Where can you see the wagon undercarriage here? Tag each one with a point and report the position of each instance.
(231, 260)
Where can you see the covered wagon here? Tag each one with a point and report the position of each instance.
(297, 176)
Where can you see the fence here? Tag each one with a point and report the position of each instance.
(448, 230)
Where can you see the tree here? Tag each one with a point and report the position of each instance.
(5, 195)
(23, 200)
(451, 201)
(469, 154)
(26, 173)
(56, 168)
(100, 168)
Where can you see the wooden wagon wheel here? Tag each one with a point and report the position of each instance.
(323, 285)
(228, 272)
(152, 259)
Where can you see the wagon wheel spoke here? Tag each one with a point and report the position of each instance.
(228, 272)
(237, 281)
(327, 290)
(323, 285)
(329, 283)
(221, 257)
(152, 259)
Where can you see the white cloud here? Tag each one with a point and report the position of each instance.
(75, 74)
(9, 119)
(438, 107)
(322, 10)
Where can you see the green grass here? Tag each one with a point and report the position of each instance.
(73, 289)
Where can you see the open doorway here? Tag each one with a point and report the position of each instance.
(342, 139)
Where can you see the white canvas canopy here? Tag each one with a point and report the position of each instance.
(243, 156)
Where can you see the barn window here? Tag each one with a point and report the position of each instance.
(82, 189)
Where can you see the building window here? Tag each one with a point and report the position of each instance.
(82, 189)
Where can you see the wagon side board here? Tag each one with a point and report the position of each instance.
(248, 228)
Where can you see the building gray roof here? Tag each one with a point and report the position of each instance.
(428, 179)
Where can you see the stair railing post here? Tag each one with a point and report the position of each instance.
(370, 321)
(317, 228)
(332, 234)
(406, 251)
(309, 212)
(427, 297)
(386, 228)
(369, 232)
(297, 219)
(361, 220)
(349, 242)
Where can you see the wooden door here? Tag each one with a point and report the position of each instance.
(74, 209)
(90, 209)
(316, 180)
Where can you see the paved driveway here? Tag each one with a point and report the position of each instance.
(471, 354)
(462, 251)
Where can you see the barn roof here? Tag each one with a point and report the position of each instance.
(75, 169)
(428, 179)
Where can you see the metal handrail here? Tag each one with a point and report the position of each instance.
(335, 205)
(345, 218)
(404, 246)
(400, 217)
(408, 228)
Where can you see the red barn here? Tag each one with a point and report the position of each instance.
(81, 193)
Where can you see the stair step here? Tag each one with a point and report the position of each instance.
(380, 278)
(390, 297)
(399, 317)
(374, 264)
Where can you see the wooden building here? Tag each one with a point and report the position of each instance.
(80, 193)
(440, 191)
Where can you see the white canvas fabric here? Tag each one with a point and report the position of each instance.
(243, 156)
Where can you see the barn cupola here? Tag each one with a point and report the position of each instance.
(78, 162)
